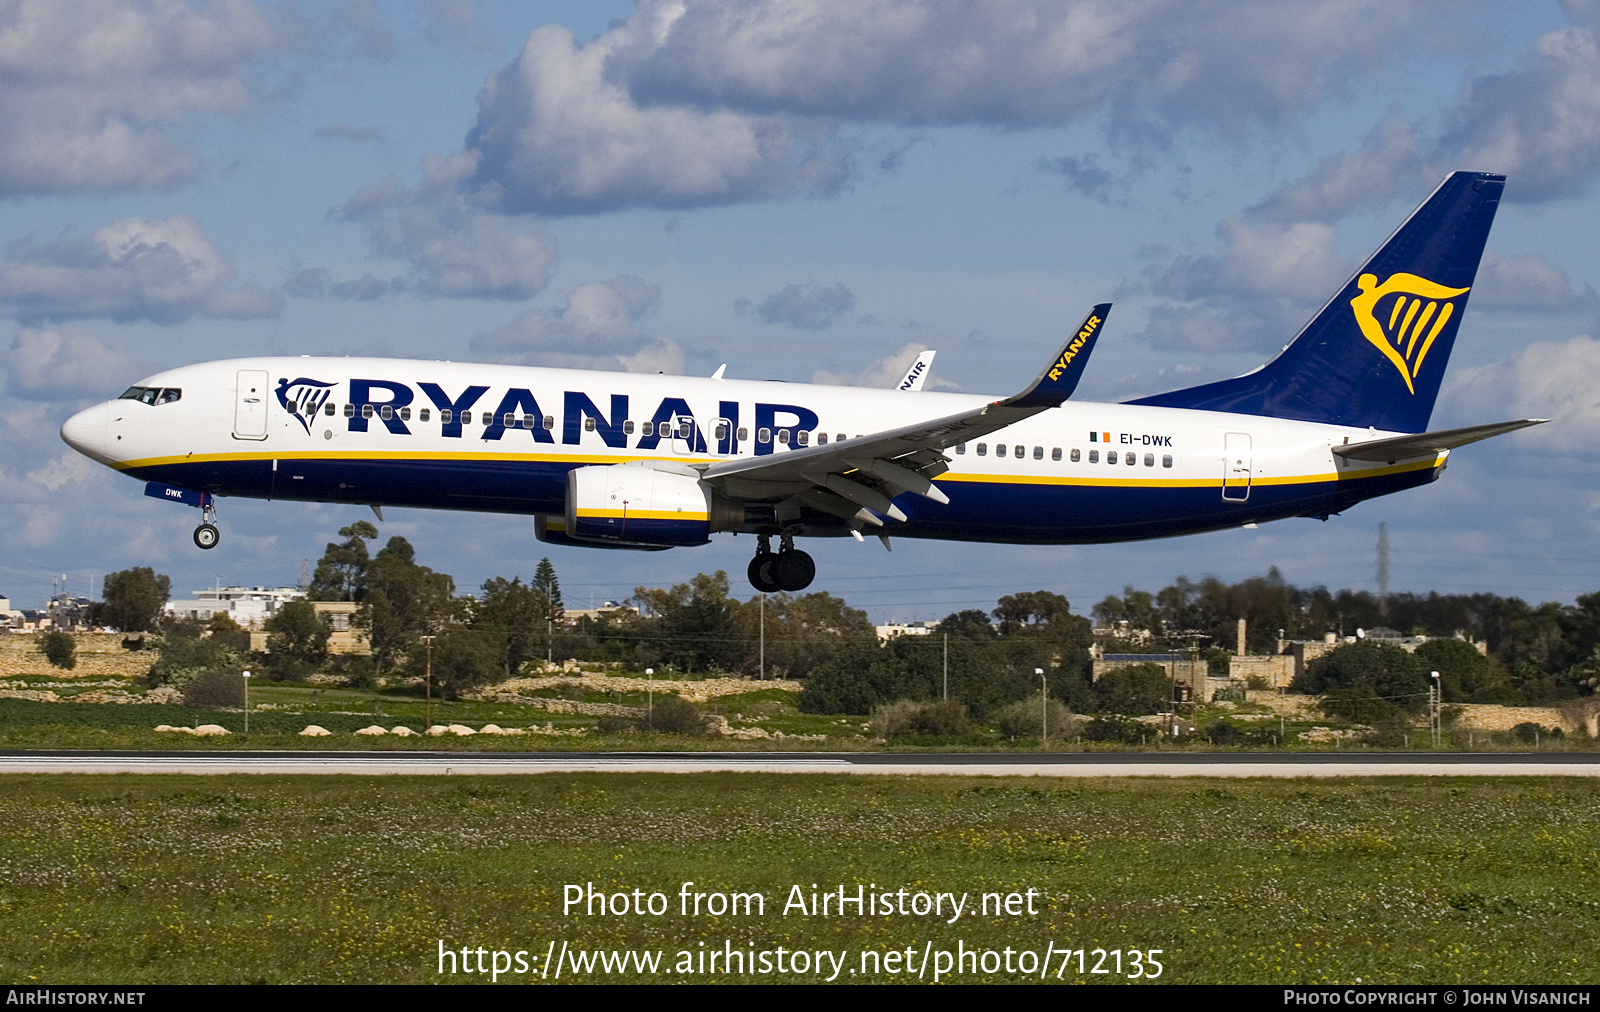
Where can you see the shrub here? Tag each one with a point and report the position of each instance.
(60, 649)
(215, 690)
(1115, 728)
(939, 718)
(183, 658)
(614, 725)
(673, 715)
(1529, 732)
(1023, 719)
(1258, 683)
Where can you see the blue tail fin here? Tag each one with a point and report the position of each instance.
(1376, 354)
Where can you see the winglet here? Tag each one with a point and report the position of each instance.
(914, 377)
(1060, 377)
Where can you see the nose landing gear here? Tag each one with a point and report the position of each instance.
(206, 535)
(786, 569)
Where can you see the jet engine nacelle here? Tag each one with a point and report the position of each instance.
(643, 505)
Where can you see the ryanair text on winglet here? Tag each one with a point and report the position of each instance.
(1089, 327)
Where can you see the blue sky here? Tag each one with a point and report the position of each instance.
(805, 190)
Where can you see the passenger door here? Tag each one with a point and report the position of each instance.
(250, 405)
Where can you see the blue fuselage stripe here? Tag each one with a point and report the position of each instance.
(1001, 511)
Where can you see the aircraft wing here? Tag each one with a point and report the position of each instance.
(914, 377)
(1393, 448)
(856, 478)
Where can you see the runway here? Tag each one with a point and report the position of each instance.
(1010, 764)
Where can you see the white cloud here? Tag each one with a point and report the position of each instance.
(885, 372)
(1549, 379)
(595, 329)
(65, 364)
(554, 134)
(1539, 124)
(1388, 162)
(160, 269)
(723, 101)
(93, 87)
(454, 248)
(1526, 282)
(803, 307)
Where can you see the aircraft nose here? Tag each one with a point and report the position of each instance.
(86, 432)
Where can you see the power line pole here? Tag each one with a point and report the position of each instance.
(427, 686)
(946, 665)
(1383, 569)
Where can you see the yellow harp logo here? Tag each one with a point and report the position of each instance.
(1405, 328)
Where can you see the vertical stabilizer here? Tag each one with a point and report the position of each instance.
(1376, 353)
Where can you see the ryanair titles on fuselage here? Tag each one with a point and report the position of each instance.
(398, 406)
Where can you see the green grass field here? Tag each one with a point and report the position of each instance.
(131, 879)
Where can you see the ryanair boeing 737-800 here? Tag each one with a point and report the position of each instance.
(615, 460)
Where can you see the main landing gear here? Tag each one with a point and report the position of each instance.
(206, 535)
(786, 569)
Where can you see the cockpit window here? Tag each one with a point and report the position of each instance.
(152, 395)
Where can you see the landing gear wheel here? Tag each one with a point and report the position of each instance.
(761, 573)
(794, 570)
(206, 536)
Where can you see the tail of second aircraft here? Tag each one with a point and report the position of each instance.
(1376, 353)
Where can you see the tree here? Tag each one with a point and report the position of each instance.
(1465, 675)
(693, 623)
(518, 618)
(59, 649)
(462, 659)
(297, 637)
(341, 572)
(1135, 690)
(403, 601)
(545, 582)
(133, 599)
(1367, 683)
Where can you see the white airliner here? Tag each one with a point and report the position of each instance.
(616, 460)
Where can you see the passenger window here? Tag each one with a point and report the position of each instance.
(839, 438)
(720, 432)
(445, 415)
(961, 448)
(1022, 451)
(1055, 454)
(822, 439)
(1149, 460)
(1131, 458)
(647, 428)
(763, 435)
(588, 425)
(366, 411)
(1094, 456)
(1111, 456)
(405, 414)
(1074, 454)
(1166, 460)
(802, 437)
(330, 409)
(744, 434)
(1038, 453)
(983, 448)
(627, 427)
(294, 409)
(528, 421)
(783, 436)
(685, 428)
(549, 421)
(999, 449)
(386, 412)
(488, 418)
(422, 415)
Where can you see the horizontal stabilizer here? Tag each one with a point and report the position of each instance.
(1423, 443)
